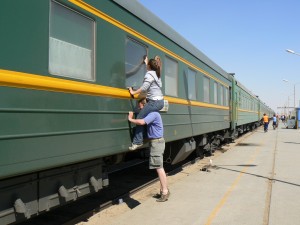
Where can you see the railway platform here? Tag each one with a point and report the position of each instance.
(256, 182)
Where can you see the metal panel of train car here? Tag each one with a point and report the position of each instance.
(64, 72)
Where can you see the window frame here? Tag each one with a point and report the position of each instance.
(191, 72)
(141, 77)
(216, 93)
(93, 44)
(221, 93)
(167, 83)
(206, 89)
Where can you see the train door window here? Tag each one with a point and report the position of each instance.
(71, 43)
(171, 77)
(191, 78)
(135, 67)
(206, 89)
(221, 95)
(215, 93)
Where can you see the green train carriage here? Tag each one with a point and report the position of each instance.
(64, 72)
(247, 109)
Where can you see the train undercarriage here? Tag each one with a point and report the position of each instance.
(30, 195)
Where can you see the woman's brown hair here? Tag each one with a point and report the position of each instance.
(154, 66)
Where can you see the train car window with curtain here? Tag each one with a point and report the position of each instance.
(135, 68)
(206, 88)
(171, 77)
(191, 79)
(71, 43)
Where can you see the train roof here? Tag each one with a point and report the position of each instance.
(245, 89)
(137, 9)
(144, 14)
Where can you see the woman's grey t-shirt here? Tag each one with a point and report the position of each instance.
(152, 86)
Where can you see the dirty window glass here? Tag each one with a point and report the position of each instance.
(135, 69)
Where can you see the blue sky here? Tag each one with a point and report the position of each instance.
(247, 38)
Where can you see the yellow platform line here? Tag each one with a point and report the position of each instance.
(219, 206)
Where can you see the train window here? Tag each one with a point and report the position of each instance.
(171, 77)
(206, 82)
(242, 101)
(248, 103)
(221, 95)
(206, 89)
(135, 68)
(226, 100)
(215, 93)
(191, 78)
(71, 43)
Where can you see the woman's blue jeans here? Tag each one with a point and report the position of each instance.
(151, 106)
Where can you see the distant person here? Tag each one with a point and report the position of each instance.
(266, 122)
(155, 134)
(278, 120)
(155, 100)
(274, 121)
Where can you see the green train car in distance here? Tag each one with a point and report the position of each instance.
(64, 71)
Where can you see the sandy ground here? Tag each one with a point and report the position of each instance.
(106, 216)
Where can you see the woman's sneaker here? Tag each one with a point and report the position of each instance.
(134, 146)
